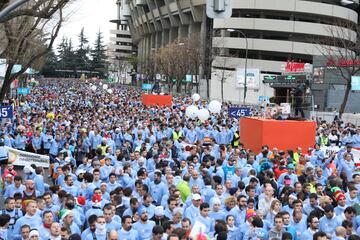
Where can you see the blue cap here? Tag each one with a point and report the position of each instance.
(142, 210)
(291, 166)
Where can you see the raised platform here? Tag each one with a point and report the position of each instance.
(158, 100)
(282, 134)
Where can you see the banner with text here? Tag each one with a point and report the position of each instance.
(334, 149)
(22, 158)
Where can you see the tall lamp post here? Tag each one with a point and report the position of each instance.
(11, 7)
(246, 59)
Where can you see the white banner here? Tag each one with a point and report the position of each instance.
(22, 158)
(356, 153)
(331, 149)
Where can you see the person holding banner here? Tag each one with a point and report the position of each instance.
(4, 154)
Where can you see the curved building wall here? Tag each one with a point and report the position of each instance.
(155, 23)
(276, 31)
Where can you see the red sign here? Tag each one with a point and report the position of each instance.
(341, 62)
(294, 67)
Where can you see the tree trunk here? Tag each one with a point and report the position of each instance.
(208, 87)
(197, 83)
(345, 99)
(178, 87)
(222, 85)
(7, 82)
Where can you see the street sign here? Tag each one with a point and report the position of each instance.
(269, 78)
(6, 112)
(23, 91)
(147, 86)
(285, 79)
(237, 112)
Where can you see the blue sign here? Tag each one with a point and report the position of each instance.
(147, 86)
(237, 112)
(355, 83)
(264, 99)
(6, 112)
(23, 91)
(188, 78)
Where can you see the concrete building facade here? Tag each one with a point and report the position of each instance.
(275, 30)
(121, 47)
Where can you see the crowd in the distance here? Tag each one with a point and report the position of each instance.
(121, 170)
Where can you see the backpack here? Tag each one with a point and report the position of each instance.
(12, 219)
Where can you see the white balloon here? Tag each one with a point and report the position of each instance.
(214, 106)
(110, 91)
(93, 88)
(192, 111)
(195, 97)
(105, 86)
(203, 114)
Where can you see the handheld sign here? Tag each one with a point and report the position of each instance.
(23, 91)
(237, 112)
(6, 112)
(147, 86)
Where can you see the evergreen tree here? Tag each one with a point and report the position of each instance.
(98, 62)
(50, 65)
(82, 52)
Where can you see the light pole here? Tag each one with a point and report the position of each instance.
(246, 58)
(6, 11)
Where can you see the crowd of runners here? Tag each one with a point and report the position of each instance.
(121, 170)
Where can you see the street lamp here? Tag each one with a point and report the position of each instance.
(6, 11)
(246, 58)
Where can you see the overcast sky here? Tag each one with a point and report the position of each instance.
(92, 15)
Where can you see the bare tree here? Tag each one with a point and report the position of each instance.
(220, 71)
(165, 63)
(220, 62)
(30, 36)
(195, 47)
(36, 9)
(342, 51)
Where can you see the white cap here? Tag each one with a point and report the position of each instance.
(34, 233)
(178, 210)
(28, 169)
(196, 196)
(293, 196)
(159, 211)
(80, 171)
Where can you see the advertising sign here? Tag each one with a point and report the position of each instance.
(252, 78)
(294, 67)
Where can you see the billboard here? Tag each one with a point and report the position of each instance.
(355, 83)
(291, 67)
(252, 78)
